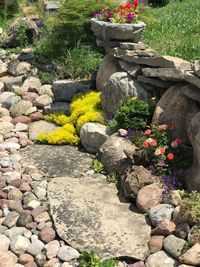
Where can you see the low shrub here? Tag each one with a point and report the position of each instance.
(85, 108)
(132, 114)
(9, 8)
(70, 25)
(90, 259)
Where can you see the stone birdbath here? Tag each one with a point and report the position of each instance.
(107, 31)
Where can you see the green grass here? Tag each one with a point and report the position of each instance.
(174, 29)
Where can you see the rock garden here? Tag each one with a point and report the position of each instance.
(99, 144)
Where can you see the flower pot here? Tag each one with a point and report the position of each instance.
(116, 31)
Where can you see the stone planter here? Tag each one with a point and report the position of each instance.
(116, 31)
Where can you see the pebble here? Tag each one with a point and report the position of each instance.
(4, 243)
(160, 212)
(192, 256)
(24, 219)
(11, 219)
(25, 258)
(174, 245)
(47, 234)
(52, 249)
(34, 204)
(67, 253)
(155, 243)
(35, 247)
(19, 244)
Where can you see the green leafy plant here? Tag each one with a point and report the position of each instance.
(132, 114)
(82, 61)
(90, 259)
(191, 203)
(97, 166)
(21, 38)
(70, 25)
(113, 177)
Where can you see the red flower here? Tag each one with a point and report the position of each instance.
(170, 156)
(179, 141)
(162, 150)
(136, 2)
(145, 144)
(147, 132)
(153, 143)
(128, 5)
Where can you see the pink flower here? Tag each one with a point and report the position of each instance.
(153, 143)
(174, 144)
(179, 141)
(147, 132)
(145, 144)
(162, 127)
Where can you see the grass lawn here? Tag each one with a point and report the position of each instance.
(174, 29)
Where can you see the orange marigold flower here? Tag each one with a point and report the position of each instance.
(170, 156)
(147, 132)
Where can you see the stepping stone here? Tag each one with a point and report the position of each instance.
(58, 160)
(89, 216)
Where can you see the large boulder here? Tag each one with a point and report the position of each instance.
(193, 174)
(108, 67)
(92, 136)
(32, 31)
(89, 216)
(112, 154)
(135, 178)
(176, 110)
(119, 88)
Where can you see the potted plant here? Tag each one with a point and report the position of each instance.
(118, 25)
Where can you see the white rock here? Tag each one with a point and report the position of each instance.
(67, 253)
(10, 145)
(21, 127)
(34, 204)
(19, 245)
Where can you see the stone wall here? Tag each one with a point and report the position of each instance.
(135, 70)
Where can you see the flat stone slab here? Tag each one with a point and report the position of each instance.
(58, 160)
(89, 216)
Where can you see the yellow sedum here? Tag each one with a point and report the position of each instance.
(85, 108)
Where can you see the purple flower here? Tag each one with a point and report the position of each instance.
(129, 134)
(130, 16)
(161, 163)
(96, 15)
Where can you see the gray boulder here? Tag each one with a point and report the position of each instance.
(20, 108)
(112, 155)
(65, 90)
(92, 136)
(119, 88)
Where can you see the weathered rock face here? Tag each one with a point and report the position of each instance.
(112, 155)
(65, 90)
(120, 87)
(175, 109)
(193, 174)
(89, 216)
(108, 67)
(92, 136)
(59, 160)
(135, 178)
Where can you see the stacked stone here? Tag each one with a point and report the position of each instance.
(135, 70)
